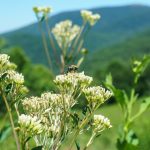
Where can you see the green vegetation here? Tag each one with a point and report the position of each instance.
(108, 140)
(116, 60)
(122, 35)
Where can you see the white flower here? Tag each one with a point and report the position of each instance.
(72, 81)
(15, 77)
(64, 33)
(101, 123)
(42, 9)
(4, 59)
(97, 94)
(89, 17)
(30, 125)
(32, 104)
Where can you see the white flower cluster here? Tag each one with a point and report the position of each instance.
(65, 32)
(4, 59)
(101, 123)
(72, 81)
(49, 108)
(89, 17)
(5, 63)
(45, 10)
(53, 112)
(97, 94)
(16, 77)
(30, 125)
(48, 102)
(7, 68)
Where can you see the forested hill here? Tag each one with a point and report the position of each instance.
(116, 25)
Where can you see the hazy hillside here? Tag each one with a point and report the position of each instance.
(116, 25)
(131, 48)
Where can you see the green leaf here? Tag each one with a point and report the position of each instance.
(143, 107)
(3, 76)
(80, 61)
(77, 145)
(132, 138)
(145, 104)
(120, 95)
(130, 142)
(4, 133)
(140, 66)
(42, 18)
(75, 119)
(37, 148)
(108, 79)
(84, 110)
(8, 88)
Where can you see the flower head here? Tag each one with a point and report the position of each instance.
(89, 17)
(15, 77)
(4, 59)
(97, 94)
(101, 123)
(65, 32)
(30, 125)
(72, 81)
(45, 10)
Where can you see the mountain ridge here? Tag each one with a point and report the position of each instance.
(116, 25)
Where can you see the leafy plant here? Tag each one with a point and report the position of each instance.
(128, 139)
(51, 118)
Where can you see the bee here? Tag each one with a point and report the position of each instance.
(72, 69)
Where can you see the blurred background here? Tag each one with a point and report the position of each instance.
(121, 35)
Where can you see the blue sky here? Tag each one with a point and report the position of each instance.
(18, 13)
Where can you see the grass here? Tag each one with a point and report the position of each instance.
(108, 138)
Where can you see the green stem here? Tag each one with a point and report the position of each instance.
(11, 121)
(90, 141)
(52, 42)
(45, 46)
(81, 126)
(77, 39)
(23, 145)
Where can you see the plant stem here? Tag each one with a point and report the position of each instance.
(81, 125)
(52, 42)
(90, 141)
(45, 46)
(16, 108)
(23, 145)
(11, 121)
(77, 39)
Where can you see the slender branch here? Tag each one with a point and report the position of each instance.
(82, 125)
(52, 42)
(45, 46)
(77, 39)
(11, 120)
(16, 108)
(90, 141)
